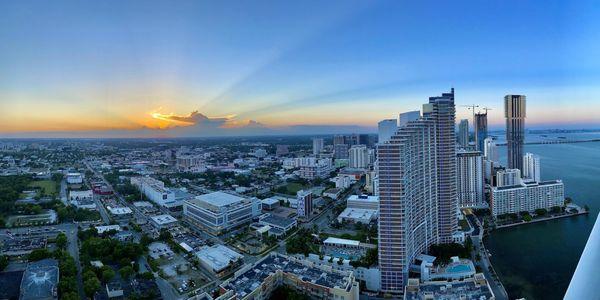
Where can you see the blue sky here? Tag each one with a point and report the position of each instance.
(132, 67)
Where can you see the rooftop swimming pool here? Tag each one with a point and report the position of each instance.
(458, 268)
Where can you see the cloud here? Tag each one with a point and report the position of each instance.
(195, 118)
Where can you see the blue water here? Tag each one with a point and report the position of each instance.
(537, 260)
(458, 269)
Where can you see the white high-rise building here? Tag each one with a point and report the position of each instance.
(508, 177)
(469, 171)
(417, 189)
(408, 116)
(527, 196)
(490, 149)
(317, 145)
(359, 157)
(385, 129)
(531, 167)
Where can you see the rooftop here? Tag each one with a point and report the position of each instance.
(163, 219)
(248, 281)
(365, 198)
(40, 280)
(468, 289)
(338, 241)
(218, 199)
(270, 201)
(218, 257)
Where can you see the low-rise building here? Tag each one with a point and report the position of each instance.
(40, 280)
(219, 211)
(363, 202)
(82, 199)
(357, 215)
(74, 178)
(476, 287)
(333, 193)
(218, 259)
(163, 221)
(258, 281)
(270, 203)
(283, 224)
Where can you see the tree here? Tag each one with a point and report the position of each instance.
(126, 272)
(91, 285)
(3, 262)
(39, 254)
(61, 240)
(69, 296)
(107, 274)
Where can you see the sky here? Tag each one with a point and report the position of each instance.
(206, 68)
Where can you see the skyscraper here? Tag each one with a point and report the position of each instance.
(469, 167)
(441, 111)
(508, 177)
(417, 189)
(481, 130)
(463, 133)
(490, 149)
(408, 206)
(531, 167)
(408, 116)
(514, 111)
(385, 129)
(359, 157)
(317, 145)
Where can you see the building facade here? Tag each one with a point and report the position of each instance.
(463, 133)
(527, 196)
(385, 130)
(318, 144)
(470, 179)
(305, 205)
(359, 157)
(481, 130)
(531, 167)
(154, 189)
(514, 112)
(218, 212)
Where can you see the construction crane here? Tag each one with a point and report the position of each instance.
(472, 107)
(486, 109)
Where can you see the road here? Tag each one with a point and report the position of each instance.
(484, 263)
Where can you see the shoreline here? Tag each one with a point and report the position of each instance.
(541, 220)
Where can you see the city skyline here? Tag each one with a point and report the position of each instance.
(211, 69)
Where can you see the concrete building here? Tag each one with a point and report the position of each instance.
(508, 177)
(463, 133)
(190, 163)
(163, 221)
(82, 199)
(531, 167)
(490, 149)
(408, 116)
(385, 130)
(284, 225)
(40, 281)
(475, 287)
(305, 205)
(470, 179)
(527, 196)
(258, 281)
(515, 113)
(218, 212)
(218, 259)
(481, 130)
(340, 151)
(357, 215)
(154, 189)
(315, 168)
(359, 157)
(417, 190)
(318, 144)
(363, 201)
(74, 178)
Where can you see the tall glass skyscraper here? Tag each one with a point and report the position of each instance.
(514, 111)
(417, 190)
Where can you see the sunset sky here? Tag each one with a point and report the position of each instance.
(198, 68)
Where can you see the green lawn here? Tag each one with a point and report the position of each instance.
(49, 186)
